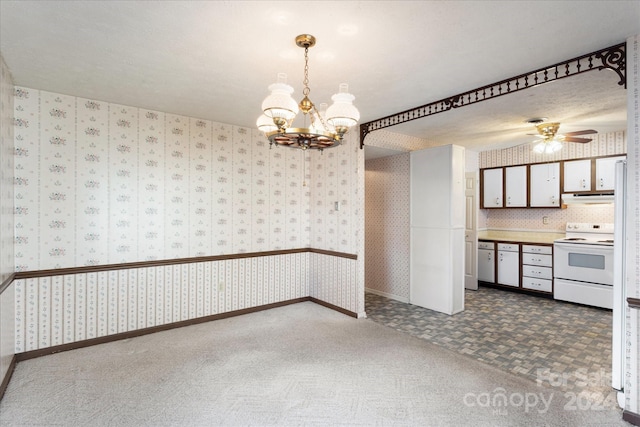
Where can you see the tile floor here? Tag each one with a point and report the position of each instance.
(557, 343)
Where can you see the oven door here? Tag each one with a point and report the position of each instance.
(583, 262)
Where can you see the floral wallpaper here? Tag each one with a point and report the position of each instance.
(632, 344)
(387, 226)
(99, 183)
(7, 301)
(6, 173)
(605, 144)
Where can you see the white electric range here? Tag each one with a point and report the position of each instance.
(583, 265)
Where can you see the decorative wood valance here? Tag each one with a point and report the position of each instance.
(610, 58)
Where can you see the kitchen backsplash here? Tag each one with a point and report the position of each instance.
(532, 219)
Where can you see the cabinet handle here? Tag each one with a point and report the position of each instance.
(601, 182)
(489, 257)
(497, 200)
(584, 183)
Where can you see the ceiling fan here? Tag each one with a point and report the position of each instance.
(550, 141)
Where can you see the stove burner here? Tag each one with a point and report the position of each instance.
(605, 241)
(573, 239)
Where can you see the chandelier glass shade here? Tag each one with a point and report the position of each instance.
(323, 127)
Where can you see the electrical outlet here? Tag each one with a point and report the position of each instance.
(545, 220)
(221, 287)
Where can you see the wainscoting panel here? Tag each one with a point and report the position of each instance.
(335, 280)
(7, 334)
(61, 309)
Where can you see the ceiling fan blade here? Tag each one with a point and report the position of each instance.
(572, 139)
(581, 132)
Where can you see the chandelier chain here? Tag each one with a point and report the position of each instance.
(305, 82)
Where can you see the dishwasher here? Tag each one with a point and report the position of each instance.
(486, 262)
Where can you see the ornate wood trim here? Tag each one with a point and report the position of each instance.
(611, 58)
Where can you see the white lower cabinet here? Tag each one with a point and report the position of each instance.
(486, 262)
(509, 264)
(537, 268)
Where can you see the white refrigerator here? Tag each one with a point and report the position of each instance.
(619, 282)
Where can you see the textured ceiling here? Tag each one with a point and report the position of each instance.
(215, 59)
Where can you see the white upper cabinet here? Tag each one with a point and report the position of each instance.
(606, 172)
(492, 188)
(515, 186)
(577, 176)
(544, 187)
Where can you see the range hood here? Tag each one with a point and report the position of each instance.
(587, 199)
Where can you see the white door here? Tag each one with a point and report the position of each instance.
(470, 233)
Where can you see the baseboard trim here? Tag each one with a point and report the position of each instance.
(139, 332)
(631, 417)
(7, 376)
(333, 307)
(32, 354)
(387, 295)
(124, 335)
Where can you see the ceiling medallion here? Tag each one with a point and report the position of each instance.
(323, 127)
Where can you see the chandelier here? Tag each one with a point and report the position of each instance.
(323, 127)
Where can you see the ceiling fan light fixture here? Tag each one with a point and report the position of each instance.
(323, 127)
(548, 146)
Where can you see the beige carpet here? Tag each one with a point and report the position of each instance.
(301, 364)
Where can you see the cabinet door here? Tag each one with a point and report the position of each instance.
(515, 186)
(486, 265)
(509, 268)
(606, 173)
(492, 188)
(545, 185)
(577, 176)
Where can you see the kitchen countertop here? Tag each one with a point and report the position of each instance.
(520, 236)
